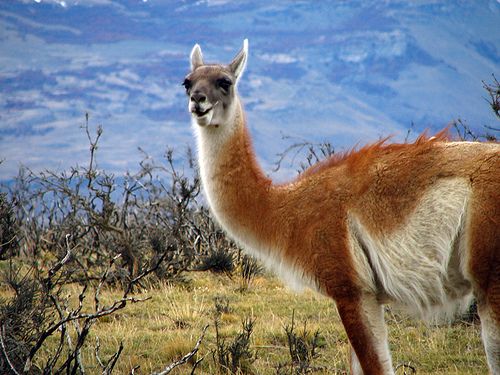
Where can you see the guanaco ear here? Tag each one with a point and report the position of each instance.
(196, 57)
(237, 66)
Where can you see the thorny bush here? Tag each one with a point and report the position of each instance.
(136, 216)
(88, 227)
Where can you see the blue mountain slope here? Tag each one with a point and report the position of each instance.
(346, 71)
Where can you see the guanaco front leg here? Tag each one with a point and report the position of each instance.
(363, 319)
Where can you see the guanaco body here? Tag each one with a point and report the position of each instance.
(415, 225)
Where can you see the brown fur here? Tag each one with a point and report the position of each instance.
(356, 157)
(382, 184)
(305, 223)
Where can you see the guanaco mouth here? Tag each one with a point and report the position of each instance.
(199, 113)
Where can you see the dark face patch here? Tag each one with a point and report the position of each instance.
(215, 82)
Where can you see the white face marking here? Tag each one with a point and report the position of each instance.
(203, 120)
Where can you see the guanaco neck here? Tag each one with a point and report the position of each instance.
(237, 190)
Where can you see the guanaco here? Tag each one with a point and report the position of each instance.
(416, 225)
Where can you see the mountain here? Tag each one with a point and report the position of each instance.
(345, 71)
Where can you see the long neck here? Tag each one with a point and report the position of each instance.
(236, 188)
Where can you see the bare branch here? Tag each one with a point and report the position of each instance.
(184, 359)
(494, 93)
(314, 152)
(103, 280)
(112, 361)
(64, 333)
(132, 370)
(146, 272)
(56, 267)
(405, 366)
(4, 351)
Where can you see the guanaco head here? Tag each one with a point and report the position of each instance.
(211, 88)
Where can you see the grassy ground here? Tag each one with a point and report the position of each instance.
(164, 328)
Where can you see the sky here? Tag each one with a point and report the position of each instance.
(348, 72)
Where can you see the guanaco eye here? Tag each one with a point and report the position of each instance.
(224, 84)
(187, 84)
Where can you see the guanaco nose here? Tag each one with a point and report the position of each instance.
(198, 97)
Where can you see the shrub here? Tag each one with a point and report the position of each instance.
(236, 357)
(250, 268)
(303, 348)
(8, 229)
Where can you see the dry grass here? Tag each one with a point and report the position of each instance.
(166, 327)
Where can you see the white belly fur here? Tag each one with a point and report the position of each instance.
(420, 267)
